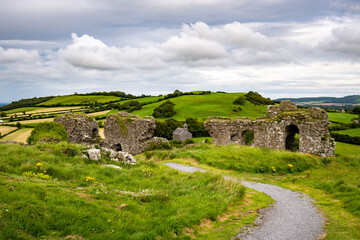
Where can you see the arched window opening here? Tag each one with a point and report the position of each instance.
(292, 138)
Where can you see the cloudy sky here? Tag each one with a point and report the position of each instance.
(280, 48)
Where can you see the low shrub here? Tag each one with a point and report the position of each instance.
(48, 132)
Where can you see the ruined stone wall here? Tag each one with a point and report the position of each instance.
(277, 130)
(128, 133)
(80, 127)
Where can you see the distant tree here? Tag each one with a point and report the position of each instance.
(166, 128)
(196, 128)
(165, 110)
(18, 125)
(3, 114)
(356, 110)
(240, 100)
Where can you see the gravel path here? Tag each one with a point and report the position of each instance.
(292, 216)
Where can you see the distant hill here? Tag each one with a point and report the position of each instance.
(347, 100)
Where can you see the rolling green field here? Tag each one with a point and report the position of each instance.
(75, 99)
(19, 136)
(354, 132)
(141, 100)
(341, 117)
(20, 110)
(203, 106)
(347, 149)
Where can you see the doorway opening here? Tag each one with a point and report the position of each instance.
(292, 138)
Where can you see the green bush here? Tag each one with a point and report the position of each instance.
(166, 128)
(50, 132)
(165, 110)
(196, 128)
(257, 99)
(240, 100)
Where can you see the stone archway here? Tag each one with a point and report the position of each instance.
(291, 139)
(248, 137)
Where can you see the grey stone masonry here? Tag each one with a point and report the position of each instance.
(277, 130)
(80, 127)
(128, 133)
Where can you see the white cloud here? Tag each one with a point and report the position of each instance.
(13, 55)
(344, 40)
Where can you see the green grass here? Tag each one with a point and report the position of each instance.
(20, 110)
(341, 117)
(141, 100)
(71, 100)
(144, 201)
(347, 149)
(354, 132)
(332, 182)
(203, 106)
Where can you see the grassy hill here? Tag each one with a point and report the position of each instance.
(203, 106)
(354, 132)
(352, 99)
(78, 99)
(341, 117)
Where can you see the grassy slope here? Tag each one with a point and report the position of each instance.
(69, 100)
(346, 148)
(141, 100)
(332, 182)
(26, 109)
(341, 117)
(355, 132)
(138, 202)
(203, 106)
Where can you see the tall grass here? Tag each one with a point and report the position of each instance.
(84, 199)
(338, 176)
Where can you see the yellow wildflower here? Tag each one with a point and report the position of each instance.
(274, 169)
(308, 154)
(290, 165)
(89, 179)
(39, 165)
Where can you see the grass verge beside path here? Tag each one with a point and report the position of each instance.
(332, 182)
(51, 192)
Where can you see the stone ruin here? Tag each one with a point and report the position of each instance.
(80, 127)
(129, 133)
(277, 130)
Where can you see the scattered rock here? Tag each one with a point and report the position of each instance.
(112, 166)
(9, 142)
(94, 154)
